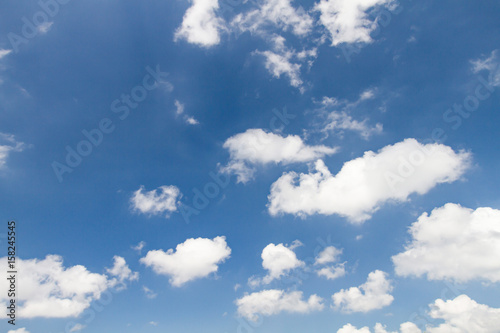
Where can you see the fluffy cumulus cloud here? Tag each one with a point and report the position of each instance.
(490, 64)
(365, 183)
(193, 259)
(200, 24)
(51, 290)
(332, 272)
(460, 315)
(8, 144)
(121, 272)
(163, 200)
(347, 21)
(257, 147)
(273, 301)
(330, 255)
(463, 314)
(278, 260)
(453, 242)
(372, 295)
(275, 13)
(348, 328)
(379, 328)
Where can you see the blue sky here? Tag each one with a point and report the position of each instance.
(353, 145)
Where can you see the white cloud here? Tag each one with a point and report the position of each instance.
(179, 110)
(139, 246)
(278, 260)
(490, 64)
(200, 24)
(332, 272)
(51, 290)
(44, 27)
(365, 183)
(372, 295)
(20, 330)
(156, 202)
(179, 107)
(191, 121)
(341, 121)
(153, 323)
(257, 147)
(273, 301)
(379, 328)
(121, 272)
(280, 64)
(279, 13)
(460, 315)
(4, 52)
(464, 315)
(367, 94)
(329, 255)
(470, 237)
(9, 145)
(337, 117)
(280, 60)
(149, 293)
(239, 168)
(193, 259)
(348, 328)
(77, 328)
(347, 20)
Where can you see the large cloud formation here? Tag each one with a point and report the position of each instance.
(363, 184)
(193, 259)
(51, 290)
(453, 242)
(460, 315)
